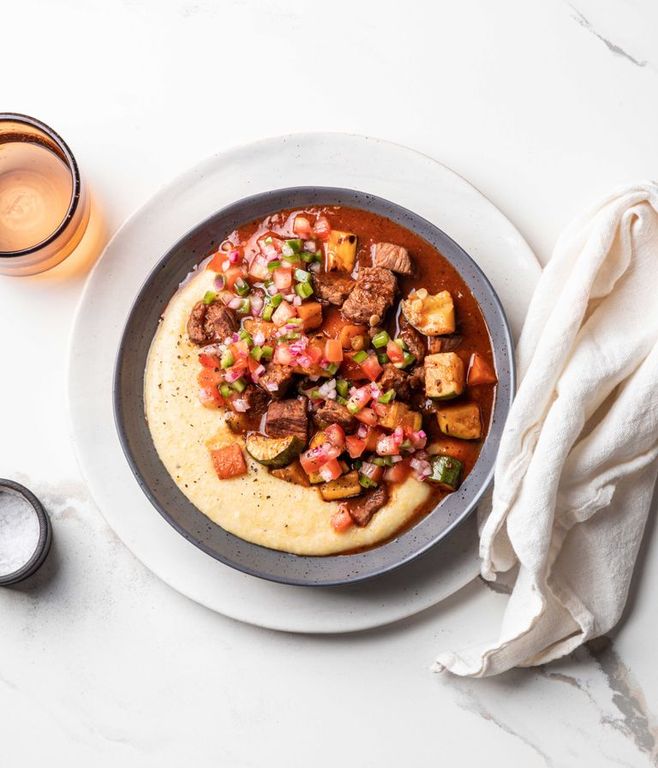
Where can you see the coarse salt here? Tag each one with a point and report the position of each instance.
(19, 532)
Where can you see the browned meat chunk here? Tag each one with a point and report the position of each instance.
(333, 287)
(372, 296)
(210, 323)
(255, 401)
(276, 380)
(414, 340)
(394, 378)
(393, 257)
(362, 508)
(450, 343)
(417, 378)
(434, 344)
(334, 413)
(287, 417)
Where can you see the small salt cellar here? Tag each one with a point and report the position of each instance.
(25, 533)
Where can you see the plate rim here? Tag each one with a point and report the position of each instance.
(292, 613)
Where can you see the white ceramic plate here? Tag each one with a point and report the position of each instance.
(393, 172)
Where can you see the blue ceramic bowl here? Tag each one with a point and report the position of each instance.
(162, 491)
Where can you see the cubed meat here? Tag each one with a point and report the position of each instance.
(393, 257)
(333, 287)
(372, 297)
(396, 379)
(362, 508)
(287, 417)
(332, 412)
(210, 323)
(414, 340)
(277, 380)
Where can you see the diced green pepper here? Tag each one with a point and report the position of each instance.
(386, 397)
(246, 336)
(331, 368)
(446, 472)
(383, 358)
(257, 353)
(304, 290)
(242, 287)
(295, 245)
(382, 461)
(245, 307)
(366, 482)
(360, 357)
(272, 265)
(407, 360)
(267, 352)
(239, 385)
(380, 340)
(227, 359)
(268, 311)
(209, 297)
(342, 387)
(276, 300)
(225, 390)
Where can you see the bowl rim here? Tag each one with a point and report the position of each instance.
(504, 394)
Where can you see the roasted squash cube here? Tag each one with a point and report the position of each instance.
(431, 315)
(344, 487)
(444, 375)
(340, 251)
(293, 473)
(461, 421)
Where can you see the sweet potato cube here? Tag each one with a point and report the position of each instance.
(311, 314)
(228, 461)
(479, 371)
(340, 251)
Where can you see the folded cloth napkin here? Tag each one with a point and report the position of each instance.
(577, 462)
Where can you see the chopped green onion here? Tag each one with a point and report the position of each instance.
(304, 290)
(257, 353)
(246, 336)
(406, 361)
(360, 357)
(342, 387)
(357, 463)
(317, 256)
(383, 358)
(227, 359)
(366, 482)
(386, 397)
(267, 352)
(302, 276)
(331, 368)
(291, 258)
(276, 300)
(401, 343)
(225, 390)
(380, 340)
(239, 385)
(315, 394)
(382, 461)
(209, 297)
(406, 446)
(272, 265)
(242, 287)
(295, 245)
(268, 311)
(341, 400)
(307, 257)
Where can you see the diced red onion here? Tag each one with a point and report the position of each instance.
(368, 469)
(226, 265)
(362, 431)
(235, 303)
(240, 405)
(297, 301)
(257, 303)
(259, 339)
(232, 374)
(226, 297)
(272, 289)
(309, 246)
(234, 256)
(258, 371)
(272, 386)
(314, 267)
(220, 282)
(328, 390)
(290, 297)
(396, 458)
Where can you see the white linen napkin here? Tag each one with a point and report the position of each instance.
(577, 462)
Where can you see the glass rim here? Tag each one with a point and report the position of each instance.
(72, 164)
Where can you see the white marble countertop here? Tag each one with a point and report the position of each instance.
(544, 106)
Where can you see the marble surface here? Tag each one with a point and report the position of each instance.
(542, 105)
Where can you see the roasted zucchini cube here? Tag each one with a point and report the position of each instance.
(446, 472)
(343, 487)
(431, 315)
(399, 414)
(444, 375)
(274, 451)
(461, 421)
(340, 251)
(293, 473)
